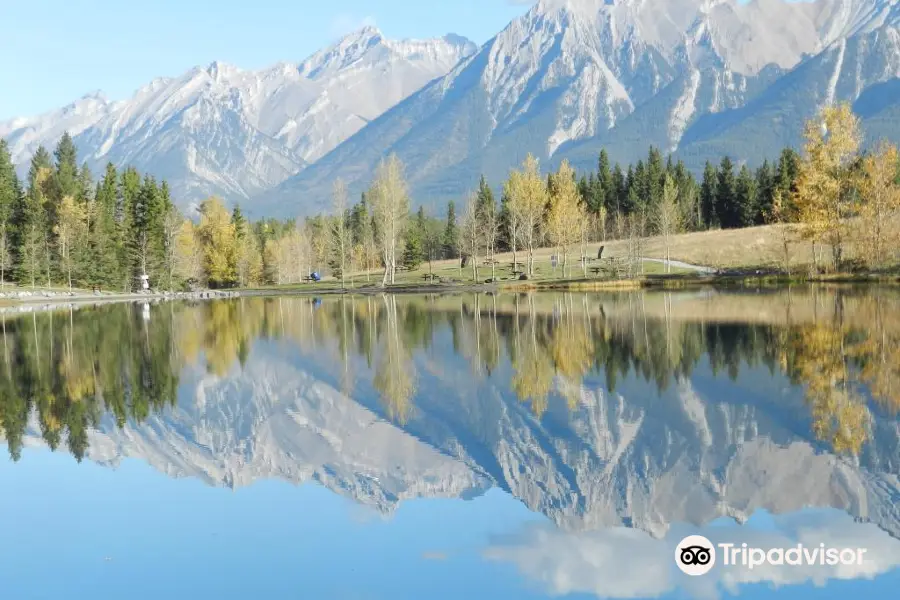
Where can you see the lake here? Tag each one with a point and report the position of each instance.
(453, 446)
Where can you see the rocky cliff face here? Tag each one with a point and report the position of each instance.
(572, 76)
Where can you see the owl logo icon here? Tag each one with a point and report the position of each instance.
(695, 555)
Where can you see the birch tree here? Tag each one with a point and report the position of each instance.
(527, 202)
(390, 208)
(880, 202)
(825, 184)
(511, 218)
(172, 221)
(669, 216)
(70, 230)
(188, 263)
(471, 229)
(567, 215)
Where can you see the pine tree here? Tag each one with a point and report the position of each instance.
(640, 186)
(33, 243)
(726, 206)
(128, 190)
(84, 192)
(765, 192)
(9, 198)
(786, 174)
(414, 245)
(745, 198)
(708, 194)
(656, 177)
(105, 268)
(146, 235)
(486, 202)
(238, 219)
(65, 174)
(617, 193)
(605, 189)
(451, 233)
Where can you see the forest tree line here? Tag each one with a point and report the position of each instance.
(60, 227)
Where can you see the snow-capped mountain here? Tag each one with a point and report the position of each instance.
(223, 130)
(569, 77)
(572, 76)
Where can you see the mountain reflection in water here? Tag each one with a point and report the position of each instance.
(623, 418)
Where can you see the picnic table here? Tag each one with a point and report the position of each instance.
(431, 277)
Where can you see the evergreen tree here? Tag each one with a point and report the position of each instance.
(128, 190)
(708, 196)
(238, 220)
(606, 189)
(656, 176)
(639, 185)
(146, 235)
(503, 241)
(414, 246)
(32, 242)
(618, 192)
(65, 174)
(787, 171)
(726, 206)
(359, 222)
(765, 193)
(84, 192)
(9, 198)
(105, 268)
(451, 233)
(486, 202)
(745, 198)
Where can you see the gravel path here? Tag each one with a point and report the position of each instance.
(683, 265)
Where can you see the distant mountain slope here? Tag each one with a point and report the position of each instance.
(697, 77)
(222, 130)
(572, 76)
(863, 70)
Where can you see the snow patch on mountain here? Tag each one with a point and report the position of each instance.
(221, 129)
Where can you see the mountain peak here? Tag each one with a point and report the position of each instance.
(367, 34)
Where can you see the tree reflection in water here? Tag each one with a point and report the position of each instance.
(64, 370)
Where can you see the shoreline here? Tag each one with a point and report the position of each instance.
(45, 300)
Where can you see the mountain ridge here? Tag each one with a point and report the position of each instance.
(698, 78)
(219, 129)
(550, 85)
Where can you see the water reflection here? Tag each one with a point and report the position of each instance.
(442, 367)
(624, 419)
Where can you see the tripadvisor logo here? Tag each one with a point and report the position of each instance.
(696, 555)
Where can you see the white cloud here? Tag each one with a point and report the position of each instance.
(628, 563)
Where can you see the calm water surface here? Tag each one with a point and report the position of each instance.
(461, 446)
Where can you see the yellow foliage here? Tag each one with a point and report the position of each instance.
(826, 179)
(218, 238)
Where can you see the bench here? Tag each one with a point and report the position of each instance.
(431, 277)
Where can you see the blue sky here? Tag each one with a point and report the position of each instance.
(58, 50)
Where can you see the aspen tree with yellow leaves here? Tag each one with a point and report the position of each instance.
(826, 183)
(567, 214)
(879, 205)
